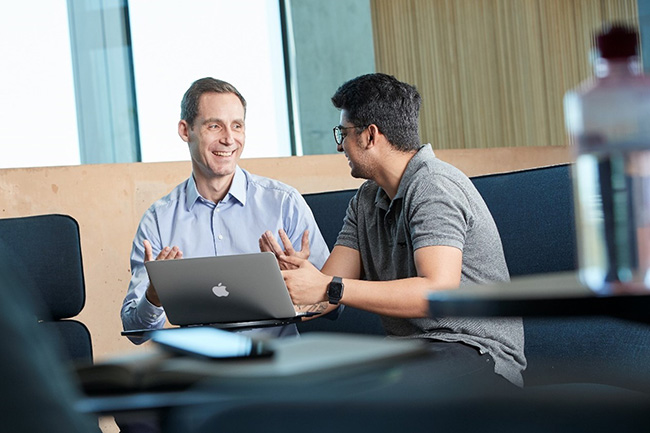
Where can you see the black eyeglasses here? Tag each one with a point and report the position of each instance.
(338, 133)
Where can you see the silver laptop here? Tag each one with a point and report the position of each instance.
(234, 291)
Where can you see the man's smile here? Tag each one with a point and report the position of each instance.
(223, 153)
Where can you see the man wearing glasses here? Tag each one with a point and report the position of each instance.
(417, 224)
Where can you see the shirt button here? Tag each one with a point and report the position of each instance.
(154, 316)
(218, 210)
(220, 237)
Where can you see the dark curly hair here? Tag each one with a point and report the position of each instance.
(383, 100)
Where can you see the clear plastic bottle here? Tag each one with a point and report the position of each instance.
(608, 120)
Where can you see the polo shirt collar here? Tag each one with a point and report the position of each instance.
(424, 153)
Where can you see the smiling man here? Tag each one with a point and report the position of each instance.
(220, 209)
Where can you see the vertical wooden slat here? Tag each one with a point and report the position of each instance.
(491, 73)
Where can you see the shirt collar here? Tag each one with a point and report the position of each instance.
(424, 152)
(237, 189)
(239, 186)
(191, 193)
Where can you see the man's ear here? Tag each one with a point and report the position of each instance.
(373, 134)
(184, 130)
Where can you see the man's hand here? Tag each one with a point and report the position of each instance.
(306, 284)
(167, 253)
(269, 243)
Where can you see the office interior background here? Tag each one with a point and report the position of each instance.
(100, 81)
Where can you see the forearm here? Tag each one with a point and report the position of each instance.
(137, 312)
(438, 268)
(397, 298)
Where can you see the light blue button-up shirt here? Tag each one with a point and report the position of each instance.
(201, 228)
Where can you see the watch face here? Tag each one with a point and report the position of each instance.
(335, 290)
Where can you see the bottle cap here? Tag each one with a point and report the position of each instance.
(617, 41)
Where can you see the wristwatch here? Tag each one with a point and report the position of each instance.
(335, 290)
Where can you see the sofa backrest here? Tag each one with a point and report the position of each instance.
(533, 210)
(329, 210)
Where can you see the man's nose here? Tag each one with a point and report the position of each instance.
(228, 136)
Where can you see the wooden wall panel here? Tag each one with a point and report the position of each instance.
(492, 73)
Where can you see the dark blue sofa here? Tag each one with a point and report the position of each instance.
(533, 210)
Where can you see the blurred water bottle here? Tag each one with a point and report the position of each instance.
(608, 120)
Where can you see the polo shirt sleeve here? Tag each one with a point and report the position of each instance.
(439, 214)
(348, 236)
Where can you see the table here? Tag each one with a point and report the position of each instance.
(403, 394)
(551, 294)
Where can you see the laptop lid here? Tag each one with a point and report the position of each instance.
(224, 290)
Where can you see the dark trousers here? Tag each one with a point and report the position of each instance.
(450, 367)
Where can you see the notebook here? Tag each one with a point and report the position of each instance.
(232, 291)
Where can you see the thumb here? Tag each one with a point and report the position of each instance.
(148, 251)
(305, 242)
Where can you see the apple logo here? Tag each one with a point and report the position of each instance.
(220, 290)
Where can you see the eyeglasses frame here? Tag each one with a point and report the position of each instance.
(337, 132)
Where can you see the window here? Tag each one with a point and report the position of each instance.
(176, 43)
(37, 100)
(173, 44)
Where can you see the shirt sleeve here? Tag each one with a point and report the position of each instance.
(137, 311)
(439, 214)
(348, 236)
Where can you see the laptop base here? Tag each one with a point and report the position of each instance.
(265, 323)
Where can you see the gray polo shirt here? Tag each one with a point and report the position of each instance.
(435, 204)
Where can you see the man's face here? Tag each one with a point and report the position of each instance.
(354, 149)
(216, 139)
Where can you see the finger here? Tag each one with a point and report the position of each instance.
(263, 245)
(273, 243)
(175, 253)
(148, 251)
(163, 253)
(167, 253)
(305, 244)
(296, 261)
(270, 243)
(288, 246)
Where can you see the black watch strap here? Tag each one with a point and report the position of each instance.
(335, 290)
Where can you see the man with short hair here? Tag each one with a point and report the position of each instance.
(220, 209)
(416, 225)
